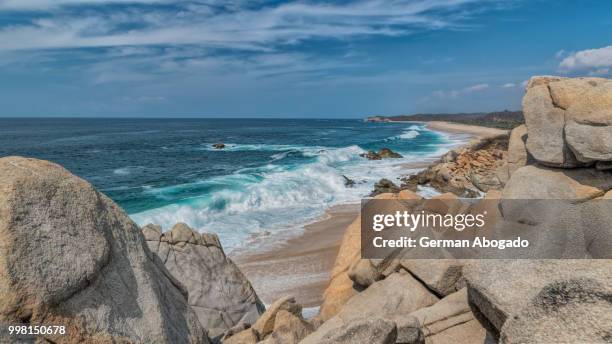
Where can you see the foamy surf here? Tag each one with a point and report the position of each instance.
(277, 199)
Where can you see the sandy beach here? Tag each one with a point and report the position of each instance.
(457, 128)
(301, 266)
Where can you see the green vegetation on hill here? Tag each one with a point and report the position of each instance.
(499, 119)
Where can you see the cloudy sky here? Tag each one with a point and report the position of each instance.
(308, 58)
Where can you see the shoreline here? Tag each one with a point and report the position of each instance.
(301, 266)
(458, 128)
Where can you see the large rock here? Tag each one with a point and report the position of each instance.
(538, 291)
(248, 336)
(533, 182)
(569, 120)
(517, 152)
(545, 124)
(399, 294)
(364, 272)
(289, 328)
(341, 288)
(589, 142)
(265, 324)
(449, 320)
(371, 331)
(574, 310)
(219, 293)
(443, 276)
(71, 256)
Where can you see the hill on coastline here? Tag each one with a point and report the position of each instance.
(499, 119)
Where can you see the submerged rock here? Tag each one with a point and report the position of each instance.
(218, 145)
(219, 293)
(386, 153)
(71, 256)
(348, 182)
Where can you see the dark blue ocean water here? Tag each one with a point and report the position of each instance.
(275, 174)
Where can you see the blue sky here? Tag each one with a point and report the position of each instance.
(259, 58)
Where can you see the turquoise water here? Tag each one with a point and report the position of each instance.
(273, 177)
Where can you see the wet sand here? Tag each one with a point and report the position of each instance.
(301, 266)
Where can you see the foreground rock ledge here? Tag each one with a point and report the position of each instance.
(71, 256)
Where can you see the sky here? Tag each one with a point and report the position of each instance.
(307, 58)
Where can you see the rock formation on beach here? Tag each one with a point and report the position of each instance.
(218, 292)
(70, 256)
(467, 171)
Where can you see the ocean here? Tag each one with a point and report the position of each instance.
(274, 176)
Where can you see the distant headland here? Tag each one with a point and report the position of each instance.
(505, 119)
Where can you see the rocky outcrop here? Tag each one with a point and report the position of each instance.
(533, 182)
(341, 288)
(573, 310)
(282, 323)
(384, 153)
(367, 330)
(569, 120)
(466, 171)
(71, 256)
(448, 321)
(398, 294)
(219, 293)
(218, 145)
(384, 186)
(517, 152)
(521, 298)
(441, 276)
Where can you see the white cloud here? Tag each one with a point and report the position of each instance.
(234, 27)
(461, 92)
(508, 85)
(28, 5)
(591, 61)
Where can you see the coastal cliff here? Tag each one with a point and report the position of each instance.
(70, 256)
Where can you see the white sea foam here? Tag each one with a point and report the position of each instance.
(124, 171)
(237, 147)
(409, 134)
